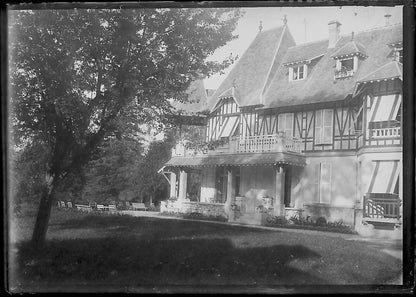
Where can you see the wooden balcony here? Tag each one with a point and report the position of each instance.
(392, 132)
(266, 143)
(252, 144)
(343, 73)
(382, 206)
(380, 137)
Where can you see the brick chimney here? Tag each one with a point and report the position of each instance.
(333, 29)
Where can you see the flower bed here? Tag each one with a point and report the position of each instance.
(305, 223)
(196, 216)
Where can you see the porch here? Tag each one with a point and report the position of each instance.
(239, 187)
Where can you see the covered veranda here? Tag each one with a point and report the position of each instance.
(176, 171)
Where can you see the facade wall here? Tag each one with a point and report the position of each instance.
(257, 181)
(306, 190)
(343, 181)
(207, 184)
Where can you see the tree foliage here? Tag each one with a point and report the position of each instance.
(151, 182)
(113, 171)
(75, 73)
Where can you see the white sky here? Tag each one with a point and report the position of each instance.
(305, 24)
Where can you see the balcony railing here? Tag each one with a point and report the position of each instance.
(266, 143)
(382, 206)
(343, 73)
(251, 144)
(385, 132)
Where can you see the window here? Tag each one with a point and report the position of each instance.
(347, 64)
(323, 126)
(285, 123)
(297, 72)
(345, 67)
(194, 185)
(323, 176)
(398, 54)
(220, 184)
(237, 181)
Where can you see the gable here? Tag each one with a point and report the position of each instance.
(249, 75)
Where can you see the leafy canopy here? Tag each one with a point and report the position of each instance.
(76, 73)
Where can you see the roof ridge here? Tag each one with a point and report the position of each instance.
(271, 29)
(279, 43)
(307, 43)
(344, 35)
(369, 30)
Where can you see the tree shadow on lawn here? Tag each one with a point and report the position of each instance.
(154, 227)
(134, 262)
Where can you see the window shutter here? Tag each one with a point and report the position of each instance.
(290, 73)
(289, 124)
(281, 122)
(318, 127)
(327, 126)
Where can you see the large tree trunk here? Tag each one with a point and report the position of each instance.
(44, 213)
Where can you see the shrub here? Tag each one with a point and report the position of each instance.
(200, 216)
(153, 208)
(306, 223)
(300, 220)
(276, 220)
(321, 221)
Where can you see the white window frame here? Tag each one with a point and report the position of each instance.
(282, 121)
(339, 63)
(324, 132)
(296, 69)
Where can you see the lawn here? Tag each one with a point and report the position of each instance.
(87, 252)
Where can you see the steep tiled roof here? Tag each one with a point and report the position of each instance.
(250, 74)
(306, 51)
(319, 85)
(197, 99)
(349, 48)
(226, 93)
(390, 70)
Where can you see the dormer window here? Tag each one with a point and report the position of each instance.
(397, 51)
(347, 57)
(398, 54)
(297, 72)
(345, 67)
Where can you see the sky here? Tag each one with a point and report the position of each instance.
(305, 24)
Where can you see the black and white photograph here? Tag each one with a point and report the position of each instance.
(207, 147)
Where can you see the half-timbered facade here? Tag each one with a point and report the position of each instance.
(311, 129)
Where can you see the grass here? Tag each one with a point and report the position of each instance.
(91, 252)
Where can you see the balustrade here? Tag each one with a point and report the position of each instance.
(266, 143)
(251, 144)
(382, 206)
(385, 132)
(344, 73)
